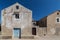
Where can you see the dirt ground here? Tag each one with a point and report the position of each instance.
(39, 38)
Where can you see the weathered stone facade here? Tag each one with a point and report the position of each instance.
(18, 19)
(53, 24)
(50, 24)
(9, 20)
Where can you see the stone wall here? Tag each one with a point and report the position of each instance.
(9, 22)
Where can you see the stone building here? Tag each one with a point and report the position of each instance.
(42, 26)
(53, 23)
(50, 25)
(17, 23)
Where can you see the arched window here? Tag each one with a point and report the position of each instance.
(57, 19)
(57, 13)
(17, 7)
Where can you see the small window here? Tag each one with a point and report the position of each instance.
(57, 13)
(17, 16)
(57, 19)
(17, 7)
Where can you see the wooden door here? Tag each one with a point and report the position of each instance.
(33, 31)
(17, 32)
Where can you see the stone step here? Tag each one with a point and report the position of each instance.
(5, 37)
(23, 37)
(27, 37)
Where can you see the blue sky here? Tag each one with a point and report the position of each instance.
(40, 8)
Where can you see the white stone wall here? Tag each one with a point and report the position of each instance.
(9, 21)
